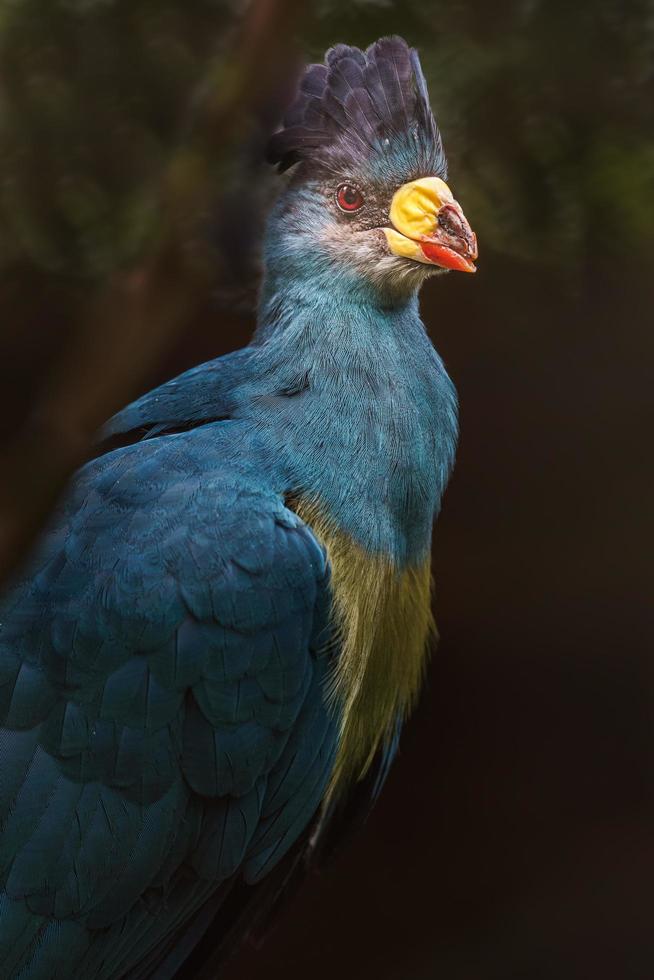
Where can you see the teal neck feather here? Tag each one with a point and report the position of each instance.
(365, 421)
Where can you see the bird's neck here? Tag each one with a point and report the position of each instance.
(366, 414)
(291, 295)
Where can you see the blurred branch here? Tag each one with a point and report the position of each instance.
(130, 320)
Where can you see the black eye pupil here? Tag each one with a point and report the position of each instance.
(350, 195)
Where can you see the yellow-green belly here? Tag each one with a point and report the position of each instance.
(384, 623)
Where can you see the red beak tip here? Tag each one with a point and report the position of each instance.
(446, 257)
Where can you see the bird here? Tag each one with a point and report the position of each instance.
(211, 649)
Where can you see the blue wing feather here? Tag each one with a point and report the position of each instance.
(161, 685)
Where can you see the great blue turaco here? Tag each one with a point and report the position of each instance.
(214, 645)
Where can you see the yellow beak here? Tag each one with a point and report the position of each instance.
(429, 226)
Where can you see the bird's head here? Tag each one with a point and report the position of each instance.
(367, 199)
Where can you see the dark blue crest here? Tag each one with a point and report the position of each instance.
(360, 104)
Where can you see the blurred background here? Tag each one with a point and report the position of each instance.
(515, 838)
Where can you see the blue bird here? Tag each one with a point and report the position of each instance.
(214, 645)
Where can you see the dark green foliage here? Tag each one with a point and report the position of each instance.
(94, 99)
(96, 95)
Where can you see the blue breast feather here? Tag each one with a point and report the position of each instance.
(161, 673)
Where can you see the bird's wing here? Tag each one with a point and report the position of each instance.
(202, 394)
(161, 701)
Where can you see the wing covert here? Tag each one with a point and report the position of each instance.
(161, 688)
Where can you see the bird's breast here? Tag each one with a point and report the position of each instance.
(383, 620)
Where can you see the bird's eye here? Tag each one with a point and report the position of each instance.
(349, 198)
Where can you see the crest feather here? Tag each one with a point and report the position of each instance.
(356, 105)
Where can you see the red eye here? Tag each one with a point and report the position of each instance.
(349, 198)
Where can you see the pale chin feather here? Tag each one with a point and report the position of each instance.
(369, 255)
(401, 274)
